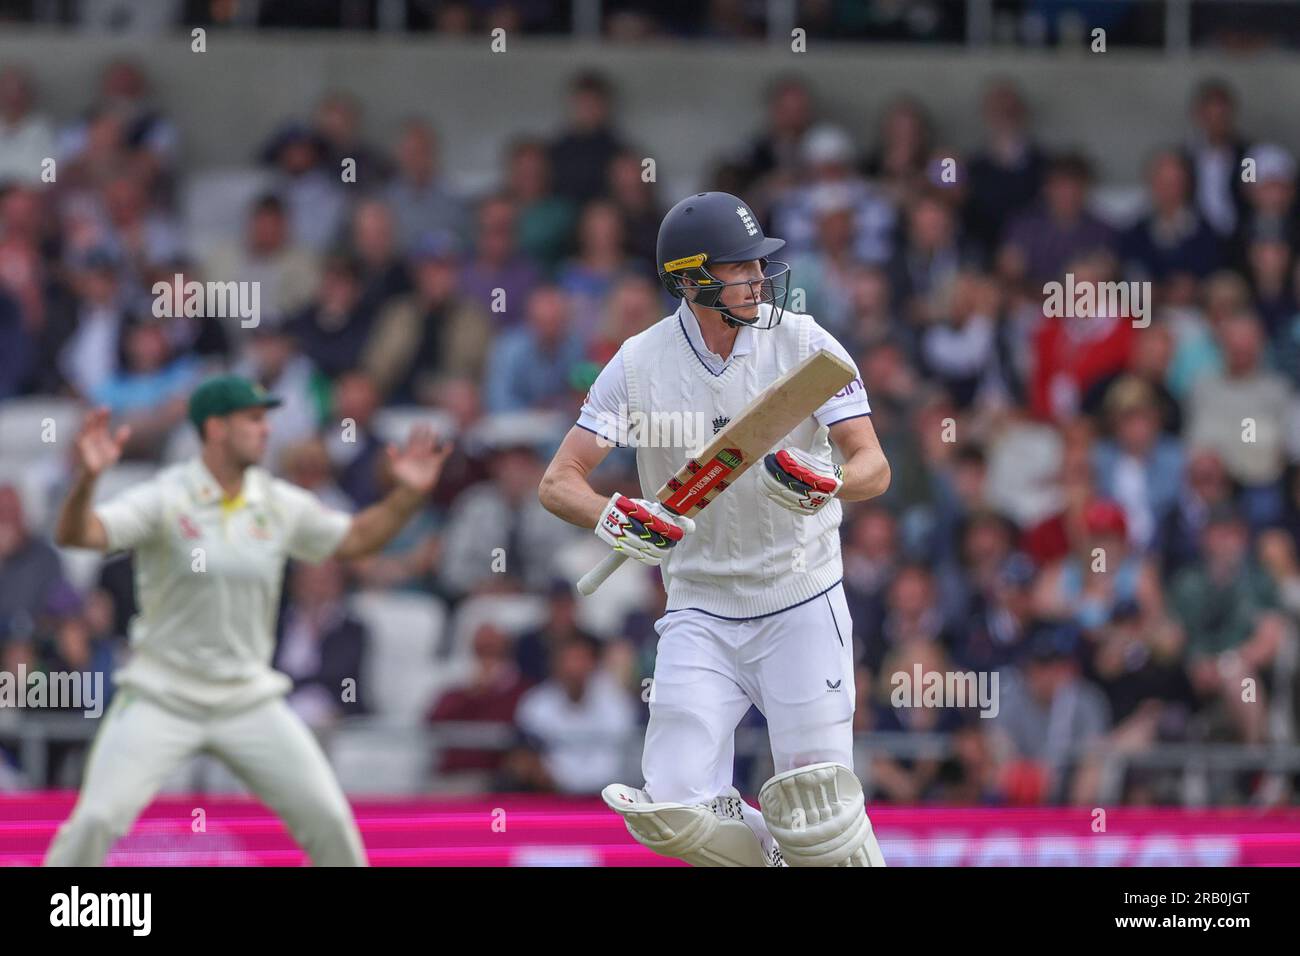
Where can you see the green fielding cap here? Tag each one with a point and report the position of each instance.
(226, 394)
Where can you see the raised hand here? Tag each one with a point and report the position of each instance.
(419, 465)
(97, 448)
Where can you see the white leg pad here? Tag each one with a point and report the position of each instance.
(818, 816)
(707, 834)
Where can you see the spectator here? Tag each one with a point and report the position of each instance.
(152, 138)
(16, 345)
(601, 259)
(322, 647)
(338, 124)
(634, 304)
(1073, 353)
(432, 334)
(959, 346)
(26, 137)
(273, 359)
(354, 446)
(771, 161)
(1050, 716)
(828, 155)
(141, 234)
(288, 273)
(1269, 262)
(1041, 242)
(490, 696)
(25, 229)
(1007, 173)
(312, 193)
(546, 221)
(335, 329)
(581, 155)
(1240, 414)
(31, 573)
(909, 779)
(824, 271)
(498, 277)
(911, 612)
(634, 195)
(1172, 239)
(1228, 608)
(1141, 672)
(498, 519)
(1101, 573)
(1001, 618)
(418, 194)
(87, 354)
(530, 367)
(1205, 488)
(534, 648)
(1270, 211)
(578, 723)
(899, 163)
(384, 274)
(1215, 150)
(1138, 467)
(151, 392)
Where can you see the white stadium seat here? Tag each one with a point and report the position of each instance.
(401, 675)
(512, 613)
(394, 424)
(22, 431)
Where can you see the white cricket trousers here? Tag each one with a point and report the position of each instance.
(796, 666)
(140, 743)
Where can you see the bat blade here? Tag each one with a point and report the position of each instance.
(772, 415)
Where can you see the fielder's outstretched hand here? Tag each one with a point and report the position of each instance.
(97, 448)
(419, 465)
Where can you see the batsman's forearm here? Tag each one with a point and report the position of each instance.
(866, 475)
(567, 494)
(75, 517)
(377, 525)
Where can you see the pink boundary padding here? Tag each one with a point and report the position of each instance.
(526, 830)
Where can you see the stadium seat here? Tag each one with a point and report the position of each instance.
(542, 430)
(214, 204)
(401, 674)
(370, 757)
(394, 424)
(512, 613)
(22, 431)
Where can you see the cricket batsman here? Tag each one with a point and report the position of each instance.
(211, 536)
(756, 612)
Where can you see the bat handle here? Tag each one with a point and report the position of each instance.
(594, 578)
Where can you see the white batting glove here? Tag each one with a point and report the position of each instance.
(800, 482)
(641, 528)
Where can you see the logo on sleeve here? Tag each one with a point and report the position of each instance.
(189, 530)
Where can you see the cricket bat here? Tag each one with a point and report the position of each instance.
(744, 440)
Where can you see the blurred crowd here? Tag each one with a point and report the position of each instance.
(1230, 24)
(1103, 511)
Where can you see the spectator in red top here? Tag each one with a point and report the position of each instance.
(1073, 353)
(490, 696)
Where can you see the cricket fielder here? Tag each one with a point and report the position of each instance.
(211, 536)
(756, 612)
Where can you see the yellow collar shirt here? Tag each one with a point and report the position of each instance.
(208, 573)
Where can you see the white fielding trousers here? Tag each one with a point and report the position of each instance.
(140, 743)
(796, 666)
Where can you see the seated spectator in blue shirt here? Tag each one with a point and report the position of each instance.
(1138, 466)
(530, 367)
